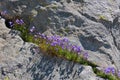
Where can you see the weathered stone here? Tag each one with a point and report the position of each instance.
(94, 24)
(20, 60)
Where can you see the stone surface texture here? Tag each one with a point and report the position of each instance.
(20, 60)
(95, 25)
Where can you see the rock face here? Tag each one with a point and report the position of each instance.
(95, 25)
(20, 60)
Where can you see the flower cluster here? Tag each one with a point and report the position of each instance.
(59, 42)
(3, 12)
(17, 21)
(54, 41)
(65, 44)
(111, 70)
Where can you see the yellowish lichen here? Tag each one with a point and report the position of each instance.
(102, 17)
(6, 78)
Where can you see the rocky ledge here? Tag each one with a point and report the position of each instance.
(20, 60)
(95, 25)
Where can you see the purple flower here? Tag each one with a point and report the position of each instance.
(113, 70)
(54, 43)
(55, 38)
(67, 47)
(43, 36)
(118, 73)
(63, 47)
(11, 24)
(78, 49)
(107, 70)
(32, 29)
(4, 12)
(65, 40)
(49, 38)
(58, 39)
(19, 21)
(73, 47)
(39, 33)
(85, 55)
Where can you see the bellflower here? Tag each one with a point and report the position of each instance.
(32, 29)
(113, 70)
(19, 21)
(54, 43)
(65, 40)
(11, 24)
(43, 36)
(85, 55)
(49, 38)
(63, 47)
(118, 74)
(107, 70)
(73, 47)
(78, 49)
(4, 12)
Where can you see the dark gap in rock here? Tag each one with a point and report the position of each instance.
(115, 21)
(110, 57)
(30, 59)
(88, 16)
(19, 65)
(2, 71)
(64, 14)
(7, 23)
(107, 24)
(90, 43)
(81, 1)
(114, 40)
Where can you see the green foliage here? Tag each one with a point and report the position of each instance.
(24, 32)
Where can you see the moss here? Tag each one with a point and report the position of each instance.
(42, 2)
(67, 30)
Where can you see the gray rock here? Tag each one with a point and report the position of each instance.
(94, 24)
(20, 60)
(14, 55)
